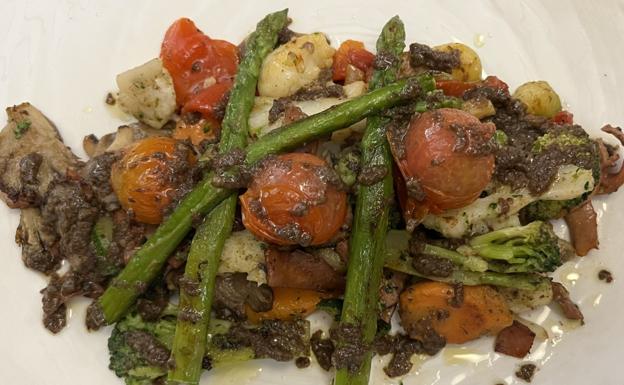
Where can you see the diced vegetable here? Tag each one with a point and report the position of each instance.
(563, 117)
(206, 101)
(196, 132)
(582, 222)
(147, 93)
(351, 53)
(242, 252)
(294, 65)
(259, 119)
(480, 108)
(515, 340)
(570, 182)
(300, 270)
(482, 311)
(523, 300)
(288, 304)
(540, 98)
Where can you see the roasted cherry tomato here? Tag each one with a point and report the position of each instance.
(351, 52)
(445, 158)
(495, 82)
(457, 88)
(197, 64)
(196, 131)
(205, 104)
(146, 179)
(293, 199)
(207, 100)
(563, 117)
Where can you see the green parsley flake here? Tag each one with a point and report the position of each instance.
(21, 128)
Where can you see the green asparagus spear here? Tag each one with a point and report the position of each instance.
(150, 258)
(197, 289)
(370, 223)
(196, 293)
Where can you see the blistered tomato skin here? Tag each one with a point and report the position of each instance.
(446, 159)
(292, 200)
(199, 66)
(146, 179)
(351, 52)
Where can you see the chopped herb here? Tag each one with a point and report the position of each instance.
(493, 206)
(500, 138)
(21, 128)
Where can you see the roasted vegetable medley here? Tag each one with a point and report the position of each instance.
(285, 175)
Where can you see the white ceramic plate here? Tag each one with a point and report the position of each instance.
(63, 56)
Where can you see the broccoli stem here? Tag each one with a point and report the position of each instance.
(522, 281)
(370, 223)
(189, 344)
(148, 261)
(469, 262)
(530, 248)
(504, 235)
(397, 258)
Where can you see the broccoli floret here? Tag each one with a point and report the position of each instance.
(563, 139)
(494, 258)
(348, 166)
(501, 138)
(140, 350)
(398, 258)
(577, 161)
(522, 246)
(532, 248)
(122, 357)
(547, 210)
(136, 367)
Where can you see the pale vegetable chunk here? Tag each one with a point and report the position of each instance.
(294, 65)
(470, 64)
(485, 213)
(355, 89)
(520, 301)
(243, 253)
(539, 98)
(479, 107)
(147, 93)
(259, 118)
